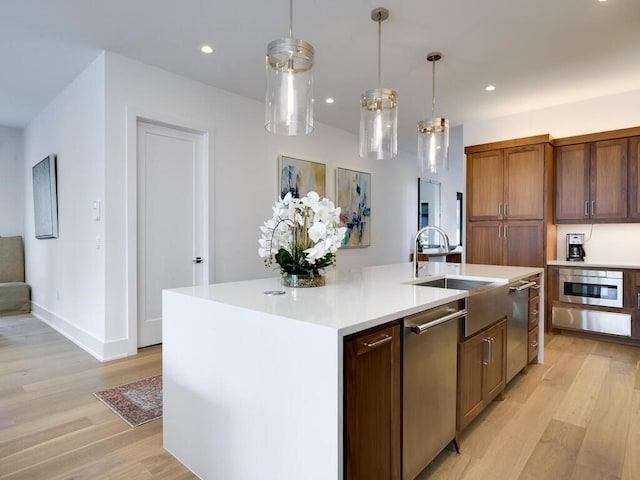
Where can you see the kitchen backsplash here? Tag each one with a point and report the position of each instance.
(605, 243)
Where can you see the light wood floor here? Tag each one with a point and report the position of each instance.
(577, 417)
(51, 425)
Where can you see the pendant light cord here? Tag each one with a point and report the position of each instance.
(433, 91)
(290, 18)
(379, 49)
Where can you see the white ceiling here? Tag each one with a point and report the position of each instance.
(537, 52)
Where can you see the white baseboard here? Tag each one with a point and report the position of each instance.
(103, 351)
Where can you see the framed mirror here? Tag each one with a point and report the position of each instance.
(429, 210)
(458, 218)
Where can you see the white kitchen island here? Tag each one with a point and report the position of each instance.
(253, 383)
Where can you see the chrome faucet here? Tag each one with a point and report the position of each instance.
(429, 228)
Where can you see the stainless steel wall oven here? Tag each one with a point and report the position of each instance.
(591, 287)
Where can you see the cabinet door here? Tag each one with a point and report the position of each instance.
(524, 243)
(372, 416)
(484, 243)
(496, 367)
(572, 184)
(485, 191)
(634, 178)
(609, 170)
(472, 355)
(524, 183)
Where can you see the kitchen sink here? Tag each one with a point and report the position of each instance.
(456, 283)
(486, 303)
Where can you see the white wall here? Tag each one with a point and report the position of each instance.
(11, 184)
(614, 243)
(66, 274)
(244, 181)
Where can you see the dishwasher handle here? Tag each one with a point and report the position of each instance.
(420, 329)
(524, 286)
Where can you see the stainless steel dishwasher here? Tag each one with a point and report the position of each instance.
(429, 384)
(518, 327)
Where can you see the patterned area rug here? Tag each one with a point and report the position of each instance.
(136, 403)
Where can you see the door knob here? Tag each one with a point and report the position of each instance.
(198, 260)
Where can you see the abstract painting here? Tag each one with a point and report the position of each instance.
(301, 177)
(353, 196)
(45, 198)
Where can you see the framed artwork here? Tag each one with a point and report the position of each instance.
(353, 196)
(301, 177)
(45, 198)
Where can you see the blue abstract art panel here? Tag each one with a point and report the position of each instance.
(300, 177)
(353, 196)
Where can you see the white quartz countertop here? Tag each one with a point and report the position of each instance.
(564, 263)
(353, 300)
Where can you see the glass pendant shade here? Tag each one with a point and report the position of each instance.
(433, 133)
(379, 124)
(433, 145)
(289, 97)
(379, 111)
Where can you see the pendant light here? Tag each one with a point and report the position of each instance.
(433, 133)
(289, 97)
(379, 111)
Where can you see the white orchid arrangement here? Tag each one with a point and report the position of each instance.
(303, 235)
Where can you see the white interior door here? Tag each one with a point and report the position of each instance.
(172, 222)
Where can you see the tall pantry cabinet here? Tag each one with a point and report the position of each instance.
(509, 203)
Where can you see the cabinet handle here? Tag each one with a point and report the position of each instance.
(487, 360)
(593, 207)
(504, 209)
(492, 340)
(382, 341)
(586, 208)
(499, 231)
(638, 301)
(504, 233)
(499, 209)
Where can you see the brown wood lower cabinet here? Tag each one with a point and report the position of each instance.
(534, 320)
(482, 371)
(373, 404)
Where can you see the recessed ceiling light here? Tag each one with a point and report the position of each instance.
(329, 100)
(206, 49)
(490, 88)
(601, 1)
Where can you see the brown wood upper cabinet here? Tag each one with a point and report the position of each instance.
(506, 184)
(634, 179)
(591, 182)
(509, 187)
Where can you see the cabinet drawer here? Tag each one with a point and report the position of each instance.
(533, 345)
(534, 312)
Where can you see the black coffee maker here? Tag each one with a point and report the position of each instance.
(575, 247)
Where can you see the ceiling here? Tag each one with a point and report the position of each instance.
(538, 53)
